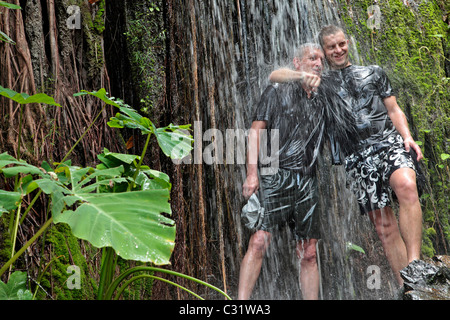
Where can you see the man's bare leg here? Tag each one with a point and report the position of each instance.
(394, 247)
(252, 262)
(309, 271)
(403, 182)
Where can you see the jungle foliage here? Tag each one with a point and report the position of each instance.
(121, 205)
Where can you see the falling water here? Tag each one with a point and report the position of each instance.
(232, 46)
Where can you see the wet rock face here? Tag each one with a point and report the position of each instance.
(427, 279)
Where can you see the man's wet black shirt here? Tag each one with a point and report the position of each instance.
(304, 123)
(364, 89)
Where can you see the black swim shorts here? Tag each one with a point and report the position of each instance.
(290, 198)
(368, 172)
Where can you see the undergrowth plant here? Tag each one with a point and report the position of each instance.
(120, 206)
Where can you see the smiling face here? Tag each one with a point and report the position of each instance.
(335, 47)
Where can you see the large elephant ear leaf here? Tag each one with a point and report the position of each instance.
(132, 223)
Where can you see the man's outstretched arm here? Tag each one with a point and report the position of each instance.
(288, 75)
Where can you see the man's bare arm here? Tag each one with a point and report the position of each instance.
(401, 124)
(288, 75)
(251, 184)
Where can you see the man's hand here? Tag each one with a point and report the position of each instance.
(410, 143)
(310, 80)
(251, 185)
(401, 124)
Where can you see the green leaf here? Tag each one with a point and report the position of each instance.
(5, 157)
(135, 224)
(24, 98)
(9, 200)
(26, 169)
(351, 246)
(2, 211)
(9, 5)
(24, 295)
(445, 156)
(101, 94)
(4, 37)
(175, 141)
(10, 166)
(49, 186)
(130, 222)
(156, 180)
(146, 178)
(131, 120)
(15, 289)
(116, 159)
(104, 177)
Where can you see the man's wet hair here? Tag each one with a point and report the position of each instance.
(329, 30)
(300, 52)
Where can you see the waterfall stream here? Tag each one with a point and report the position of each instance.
(231, 48)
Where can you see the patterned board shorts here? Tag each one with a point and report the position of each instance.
(368, 172)
(290, 199)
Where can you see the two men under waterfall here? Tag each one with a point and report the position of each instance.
(355, 107)
(303, 114)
